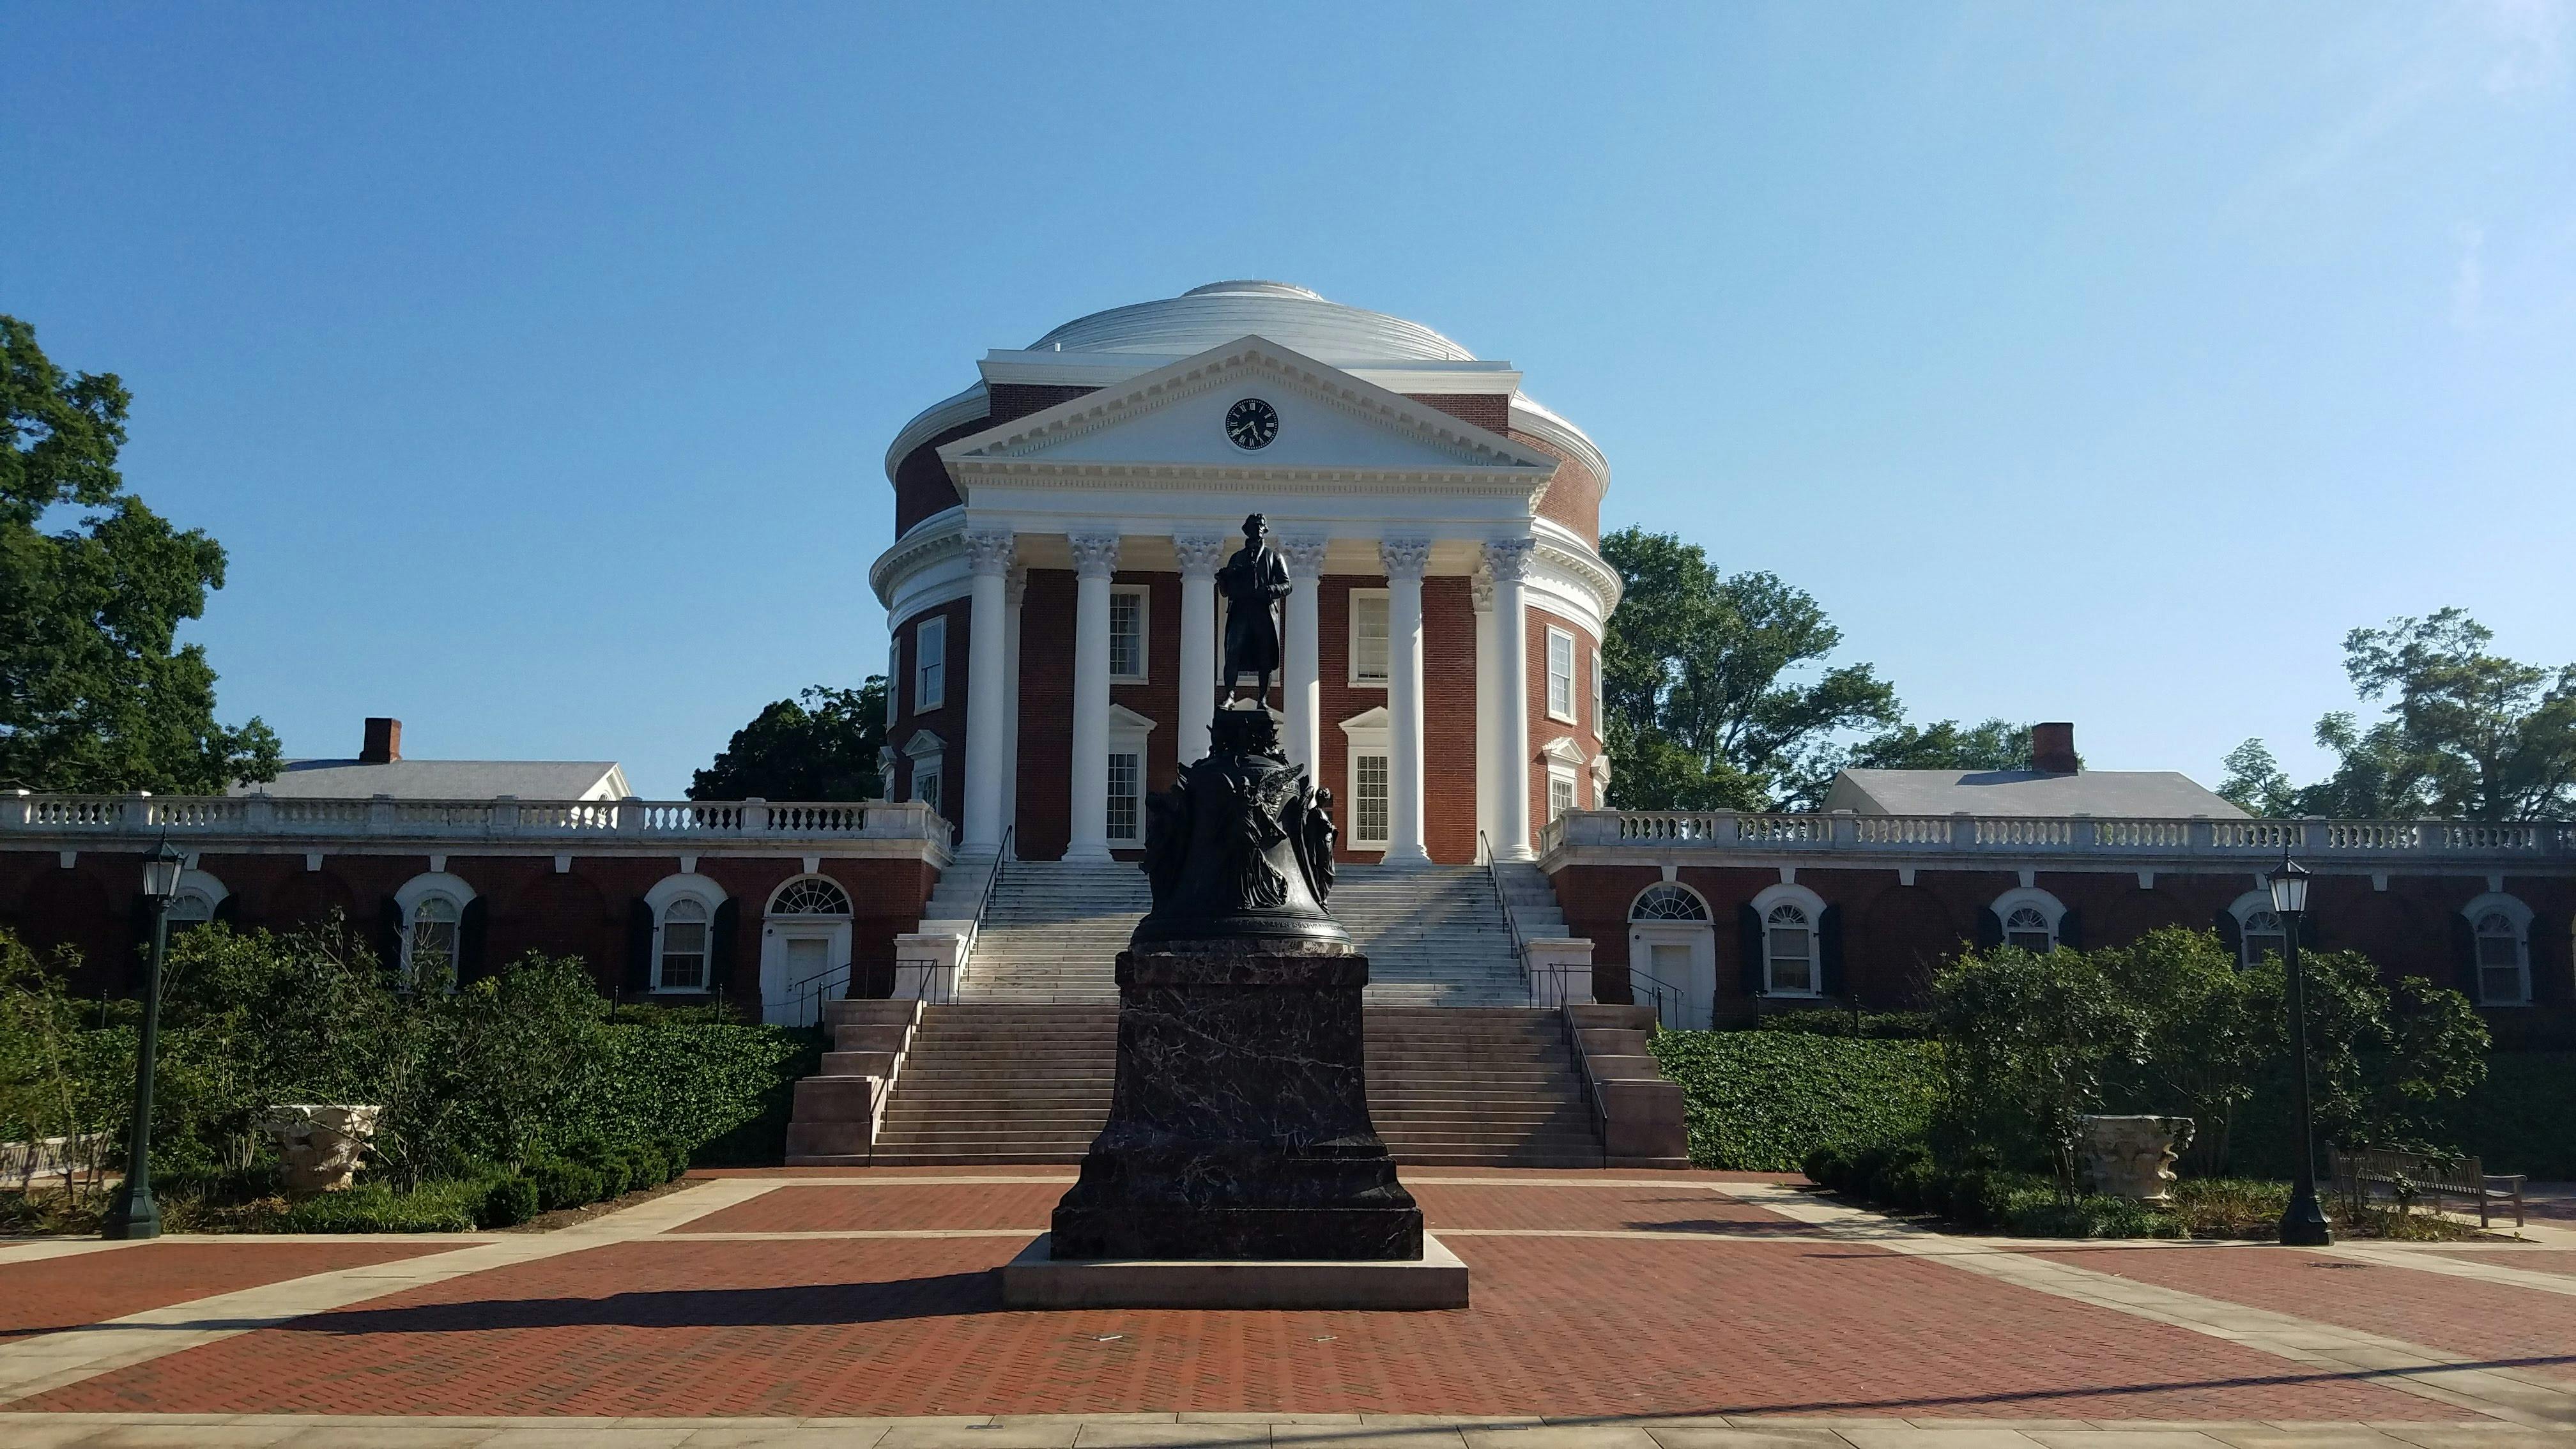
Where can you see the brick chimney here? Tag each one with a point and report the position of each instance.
(2052, 748)
(384, 742)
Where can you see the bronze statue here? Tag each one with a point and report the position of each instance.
(1252, 581)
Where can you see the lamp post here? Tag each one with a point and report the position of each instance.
(134, 1214)
(2303, 1223)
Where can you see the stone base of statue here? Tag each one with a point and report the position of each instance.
(1239, 1166)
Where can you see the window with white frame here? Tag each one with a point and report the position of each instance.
(1560, 675)
(930, 664)
(1127, 633)
(1126, 795)
(1665, 901)
(1369, 652)
(1789, 951)
(2025, 927)
(429, 945)
(189, 909)
(1560, 790)
(2504, 975)
(1600, 715)
(930, 781)
(683, 955)
(1371, 798)
(810, 895)
(894, 676)
(2261, 935)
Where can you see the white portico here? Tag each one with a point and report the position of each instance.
(1084, 537)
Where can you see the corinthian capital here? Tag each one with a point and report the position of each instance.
(1405, 558)
(1305, 557)
(1199, 556)
(1509, 557)
(1095, 555)
(990, 551)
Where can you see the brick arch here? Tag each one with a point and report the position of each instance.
(1896, 940)
(560, 915)
(309, 897)
(2133, 913)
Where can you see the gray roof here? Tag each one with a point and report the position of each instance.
(446, 780)
(2134, 794)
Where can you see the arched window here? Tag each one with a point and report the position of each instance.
(1665, 901)
(1789, 949)
(2503, 961)
(2025, 927)
(2263, 936)
(429, 948)
(684, 945)
(189, 909)
(810, 895)
(2029, 918)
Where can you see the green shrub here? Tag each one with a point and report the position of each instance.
(1898, 1176)
(563, 1183)
(2041, 1213)
(2517, 1120)
(374, 1207)
(1885, 1025)
(1760, 1101)
(509, 1202)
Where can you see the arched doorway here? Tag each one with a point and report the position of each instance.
(1672, 954)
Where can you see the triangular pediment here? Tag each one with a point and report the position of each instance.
(1374, 718)
(1330, 425)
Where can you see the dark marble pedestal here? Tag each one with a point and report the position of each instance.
(1240, 1124)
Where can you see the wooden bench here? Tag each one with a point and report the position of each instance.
(2409, 1176)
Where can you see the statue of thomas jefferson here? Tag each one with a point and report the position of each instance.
(1252, 581)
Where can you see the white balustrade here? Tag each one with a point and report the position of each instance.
(252, 816)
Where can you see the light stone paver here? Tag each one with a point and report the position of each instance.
(2429, 1373)
(49, 1361)
(2394, 1256)
(36, 1250)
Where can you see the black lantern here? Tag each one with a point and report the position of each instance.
(2303, 1223)
(134, 1214)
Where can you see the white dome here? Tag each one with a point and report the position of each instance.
(1220, 312)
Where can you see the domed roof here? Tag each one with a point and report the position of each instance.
(1220, 312)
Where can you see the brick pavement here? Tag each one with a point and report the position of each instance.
(910, 1326)
(1679, 1208)
(2534, 1260)
(51, 1294)
(909, 1208)
(2493, 1322)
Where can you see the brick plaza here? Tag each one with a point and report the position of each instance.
(1604, 1300)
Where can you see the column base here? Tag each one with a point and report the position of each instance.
(1406, 857)
(1088, 852)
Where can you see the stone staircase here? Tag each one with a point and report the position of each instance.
(1004, 1083)
(1434, 936)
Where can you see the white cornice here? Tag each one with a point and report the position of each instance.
(1108, 369)
(1567, 550)
(1516, 483)
(930, 422)
(1476, 448)
(1536, 419)
(939, 536)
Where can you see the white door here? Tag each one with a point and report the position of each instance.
(1682, 957)
(793, 959)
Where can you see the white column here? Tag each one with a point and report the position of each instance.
(1301, 686)
(1404, 559)
(1508, 559)
(1095, 558)
(1018, 591)
(1488, 775)
(1199, 560)
(988, 554)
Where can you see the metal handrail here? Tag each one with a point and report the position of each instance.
(1494, 880)
(1663, 991)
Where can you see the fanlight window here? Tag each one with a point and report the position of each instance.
(1790, 944)
(2499, 961)
(2263, 936)
(190, 908)
(2028, 929)
(1668, 902)
(684, 945)
(811, 896)
(432, 942)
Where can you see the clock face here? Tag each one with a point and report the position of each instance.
(1252, 423)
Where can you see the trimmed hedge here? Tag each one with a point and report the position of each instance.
(1905, 1176)
(2517, 1120)
(1760, 1101)
(723, 1091)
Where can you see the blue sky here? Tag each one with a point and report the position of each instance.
(2104, 363)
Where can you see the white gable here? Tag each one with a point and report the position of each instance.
(1172, 420)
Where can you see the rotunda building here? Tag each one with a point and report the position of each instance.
(1059, 523)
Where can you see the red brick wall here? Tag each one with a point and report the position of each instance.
(1337, 699)
(1490, 411)
(1159, 697)
(96, 907)
(1574, 497)
(1544, 730)
(1045, 820)
(1448, 719)
(1894, 934)
(921, 485)
(947, 721)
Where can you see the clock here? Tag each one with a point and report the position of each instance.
(1251, 423)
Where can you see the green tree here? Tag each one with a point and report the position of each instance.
(96, 694)
(2468, 734)
(1708, 687)
(824, 748)
(1994, 744)
(2028, 1045)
